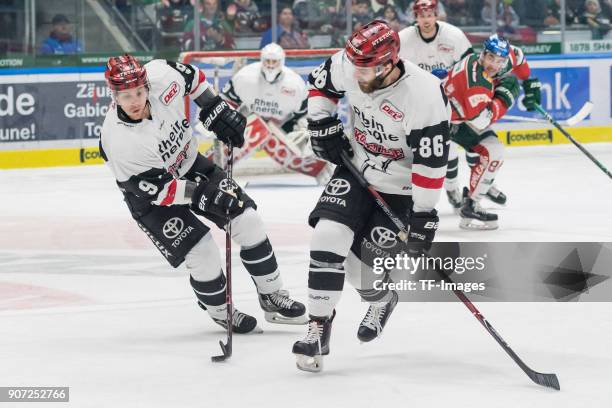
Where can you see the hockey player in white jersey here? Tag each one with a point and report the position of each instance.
(148, 144)
(279, 96)
(399, 141)
(270, 89)
(432, 44)
(436, 46)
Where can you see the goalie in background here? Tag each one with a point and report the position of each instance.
(278, 95)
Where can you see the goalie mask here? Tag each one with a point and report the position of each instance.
(272, 62)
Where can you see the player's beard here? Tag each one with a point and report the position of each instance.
(373, 85)
(370, 86)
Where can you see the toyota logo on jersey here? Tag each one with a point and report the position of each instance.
(337, 187)
(383, 237)
(173, 227)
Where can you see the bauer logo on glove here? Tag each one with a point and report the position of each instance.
(212, 115)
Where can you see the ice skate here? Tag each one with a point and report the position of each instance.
(474, 217)
(242, 323)
(309, 352)
(280, 308)
(375, 319)
(495, 195)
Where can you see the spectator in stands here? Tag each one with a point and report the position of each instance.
(173, 14)
(377, 6)
(244, 17)
(573, 13)
(531, 12)
(463, 13)
(215, 32)
(362, 13)
(317, 15)
(606, 8)
(595, 19)
(60, 40)
(504, 7)
(508, 28)
(389, 14)
(287, 34)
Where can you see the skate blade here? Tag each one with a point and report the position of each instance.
(277, 318)
(475, 225)
(312, 364)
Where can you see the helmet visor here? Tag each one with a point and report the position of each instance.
(363, 74)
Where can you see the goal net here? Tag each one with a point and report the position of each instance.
(219, 67)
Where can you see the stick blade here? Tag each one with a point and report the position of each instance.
(545, 380)
(227, 353)
(580, 115)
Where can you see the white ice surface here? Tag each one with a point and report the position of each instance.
(86, 301)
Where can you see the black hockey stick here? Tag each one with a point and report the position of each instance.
(227, 347)
(556, 124)
(546, 380)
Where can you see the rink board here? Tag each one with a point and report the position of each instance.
(53, 116)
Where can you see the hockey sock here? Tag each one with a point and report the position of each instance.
(490, 152)
(256, 251)
(325, 282)
(260, 262)
(331, 243)
(212, 295)
(452, 171)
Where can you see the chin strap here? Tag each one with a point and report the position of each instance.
(379, 80)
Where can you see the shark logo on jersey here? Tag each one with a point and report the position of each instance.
(378, 149)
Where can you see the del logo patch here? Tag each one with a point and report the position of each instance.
(388, 108)
(170, 93)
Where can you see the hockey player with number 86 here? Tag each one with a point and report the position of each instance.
(398, 141)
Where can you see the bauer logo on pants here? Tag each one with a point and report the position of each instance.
(383, 237)
(337, 187)
(173, 227)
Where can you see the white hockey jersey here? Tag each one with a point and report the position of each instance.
(147, 157)
(400, 134)
(442, 51)
(281, 101)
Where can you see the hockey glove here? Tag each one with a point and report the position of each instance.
(225, 122)
(532, 87)
(423, 226)
(507, 90)
(328, 139)
(219, 198)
